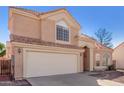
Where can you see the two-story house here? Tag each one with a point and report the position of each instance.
(50, 43)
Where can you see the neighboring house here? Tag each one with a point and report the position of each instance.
(50, 43)
(118, 56)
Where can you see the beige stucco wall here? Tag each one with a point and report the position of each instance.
(18, 63)
(23, 24)
(74, 34)
(118, 56)
(48, 30)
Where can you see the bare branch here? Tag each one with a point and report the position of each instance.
(104, 37)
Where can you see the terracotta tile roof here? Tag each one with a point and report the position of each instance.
(41, 13)
(97, 44)
(91, 38)
(35, 12)
(100, 46)
(27, 10)
(54, 10)
(119, 45)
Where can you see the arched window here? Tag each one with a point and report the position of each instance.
(106, 59)
(97, 59)
(62, 31)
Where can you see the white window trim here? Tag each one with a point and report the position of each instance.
(99, 59)
(97, 56)
(104, 59)
(60, 41)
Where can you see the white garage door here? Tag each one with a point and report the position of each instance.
(44, 64)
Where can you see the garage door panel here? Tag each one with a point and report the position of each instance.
(43, 64)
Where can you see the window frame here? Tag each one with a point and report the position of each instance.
(62, 41)
(106, 59)
(97, 60)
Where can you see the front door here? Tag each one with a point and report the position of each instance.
(86, 59)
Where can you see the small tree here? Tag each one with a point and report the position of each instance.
(104, 37)
(2, 50)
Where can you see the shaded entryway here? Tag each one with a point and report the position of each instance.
(86, 59)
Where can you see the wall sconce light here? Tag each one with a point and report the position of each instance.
(19, 50)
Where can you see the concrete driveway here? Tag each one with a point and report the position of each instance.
(78, 79)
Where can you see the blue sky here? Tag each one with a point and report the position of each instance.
(90, 19)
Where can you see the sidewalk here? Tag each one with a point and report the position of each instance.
(108, 83)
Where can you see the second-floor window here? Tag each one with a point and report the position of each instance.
(62, 33)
